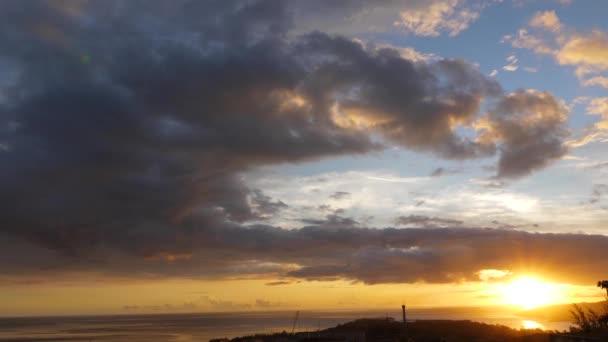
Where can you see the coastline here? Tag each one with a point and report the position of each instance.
(206, 326)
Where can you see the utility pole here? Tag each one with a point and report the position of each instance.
(404, 322)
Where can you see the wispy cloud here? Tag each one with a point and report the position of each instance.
(512, 66)
(451, 16)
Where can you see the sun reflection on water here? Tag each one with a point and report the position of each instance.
(527, 324)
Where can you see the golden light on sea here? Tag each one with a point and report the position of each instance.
(529, 292)
(528, 324)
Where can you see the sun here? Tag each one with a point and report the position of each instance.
(528, 292)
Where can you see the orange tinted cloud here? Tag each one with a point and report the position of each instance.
(588, 52)
(547, 20)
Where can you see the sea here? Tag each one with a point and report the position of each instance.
(206, 326)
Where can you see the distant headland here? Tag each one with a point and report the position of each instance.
(388, 329)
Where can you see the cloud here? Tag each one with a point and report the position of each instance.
(419, 17)
(599, 131)
(263, 206)
(588, 136)
(127, 156)
(266, 304)
(332, 220)
(599, 165)
(596, 81)
(546, 20)
(425, 221)
(339, 195)
(503, 225)
(586, 51)
(599, 106)
(221, 304)
(599, 190)
(374, 99)
(456, 260)
(440, 171)
(277, 283)
(438, 16)
(414, 55)
(478, 201)
(531, 126)
(438, 255)
(512, 66)
(184, 307)
(525, 40)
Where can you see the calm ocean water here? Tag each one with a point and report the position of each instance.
(204, 326)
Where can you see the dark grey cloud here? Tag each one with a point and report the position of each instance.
(426, 221)
(457, 254)
(505, 225)
(338, 195)
(332, 220)
(441, 171)
(148, 131)
(531, 129)
(598, 192)
(127, 127)
(264, 206)
(339, 251)
(417, 110)
(325, 207)
(277, 283)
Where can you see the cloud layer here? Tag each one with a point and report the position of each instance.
(336, 251)
(127, 130)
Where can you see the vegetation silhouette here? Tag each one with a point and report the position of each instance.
(591, 321)
(604, 285)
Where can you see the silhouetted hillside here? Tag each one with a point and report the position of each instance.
(418, 331)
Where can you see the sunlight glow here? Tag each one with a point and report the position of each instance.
(529, 292)
(527, 324)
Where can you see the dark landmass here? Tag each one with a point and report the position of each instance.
(383, 329)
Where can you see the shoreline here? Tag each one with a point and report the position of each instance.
(389, 329)
(206, 326)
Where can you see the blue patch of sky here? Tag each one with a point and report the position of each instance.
(584, 15)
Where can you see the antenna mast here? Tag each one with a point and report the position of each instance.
(295, 321)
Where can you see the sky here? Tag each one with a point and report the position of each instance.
(275, 155)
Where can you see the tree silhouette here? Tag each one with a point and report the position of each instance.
(590, 320)
(603, 284)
